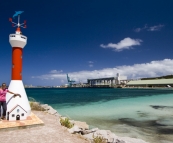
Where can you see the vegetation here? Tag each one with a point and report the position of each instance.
(65, 122)
(161, 77)
(98, 139)
(36, 106)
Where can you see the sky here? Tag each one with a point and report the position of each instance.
(89, 39)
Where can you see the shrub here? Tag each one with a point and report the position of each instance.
(98, 139)
(36, 106)
(65, 122)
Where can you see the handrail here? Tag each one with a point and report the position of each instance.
(13, 97)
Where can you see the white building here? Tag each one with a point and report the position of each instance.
(16, 113)
(108, 81)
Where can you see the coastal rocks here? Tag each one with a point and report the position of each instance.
(119, 141)
(74, 129)
(91, 134)
(84, 132)
(110, 137)
(94, 129)
(49, 109)
(88, 136)
(57, 114)
(131, 140)
(78, 127)
(52, 111)
(45, 106)
(107, 135)
(81, 125)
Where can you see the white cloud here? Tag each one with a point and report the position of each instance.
(90, 62)
(140, 29)
(90, 65)
(151, 28)
(55, 71)
(151, 69)
(126, 43)
(155, 28)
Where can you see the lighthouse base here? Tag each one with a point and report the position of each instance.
(18, 108)
(31, 121)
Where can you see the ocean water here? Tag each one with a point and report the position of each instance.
(139, 113)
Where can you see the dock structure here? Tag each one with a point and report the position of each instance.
(107, 81)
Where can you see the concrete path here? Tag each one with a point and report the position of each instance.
(51, 132)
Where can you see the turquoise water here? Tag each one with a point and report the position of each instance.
(142, 113)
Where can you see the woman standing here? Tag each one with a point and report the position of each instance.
(3, 92)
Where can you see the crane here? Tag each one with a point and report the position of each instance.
(70, 82)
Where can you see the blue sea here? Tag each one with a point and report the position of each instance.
(140, 113)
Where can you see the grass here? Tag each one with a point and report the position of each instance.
(98, 139)
(36, 106)
(65, 122)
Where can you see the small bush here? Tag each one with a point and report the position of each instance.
(65, 122)
(98, 139)
(36, 106)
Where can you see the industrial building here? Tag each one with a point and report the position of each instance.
(151, 83)
(108, 81)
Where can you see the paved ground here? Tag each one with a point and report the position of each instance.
(31, 120)
(51, 132)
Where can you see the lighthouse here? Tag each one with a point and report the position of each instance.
(18, 108)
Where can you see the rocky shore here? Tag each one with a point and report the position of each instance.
(91, 135)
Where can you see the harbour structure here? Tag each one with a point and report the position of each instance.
(18, 108)
(108, 81)
(151, 83)
(70, 81)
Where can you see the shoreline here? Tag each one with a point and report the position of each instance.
(82, 128)
(160, 88)
(144, 118)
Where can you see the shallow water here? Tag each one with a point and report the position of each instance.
(140, 113)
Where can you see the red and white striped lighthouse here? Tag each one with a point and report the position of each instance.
(17, 42)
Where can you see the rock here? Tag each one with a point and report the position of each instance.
(131, 140)
(102, 133)
(88, 136)
(94, 129)
(119, 141)
(74, 129)
(57, 114)
(112, 137)
(108, 136)
(81, 125)
(84, 132)
(51, 111)
(45, 106)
